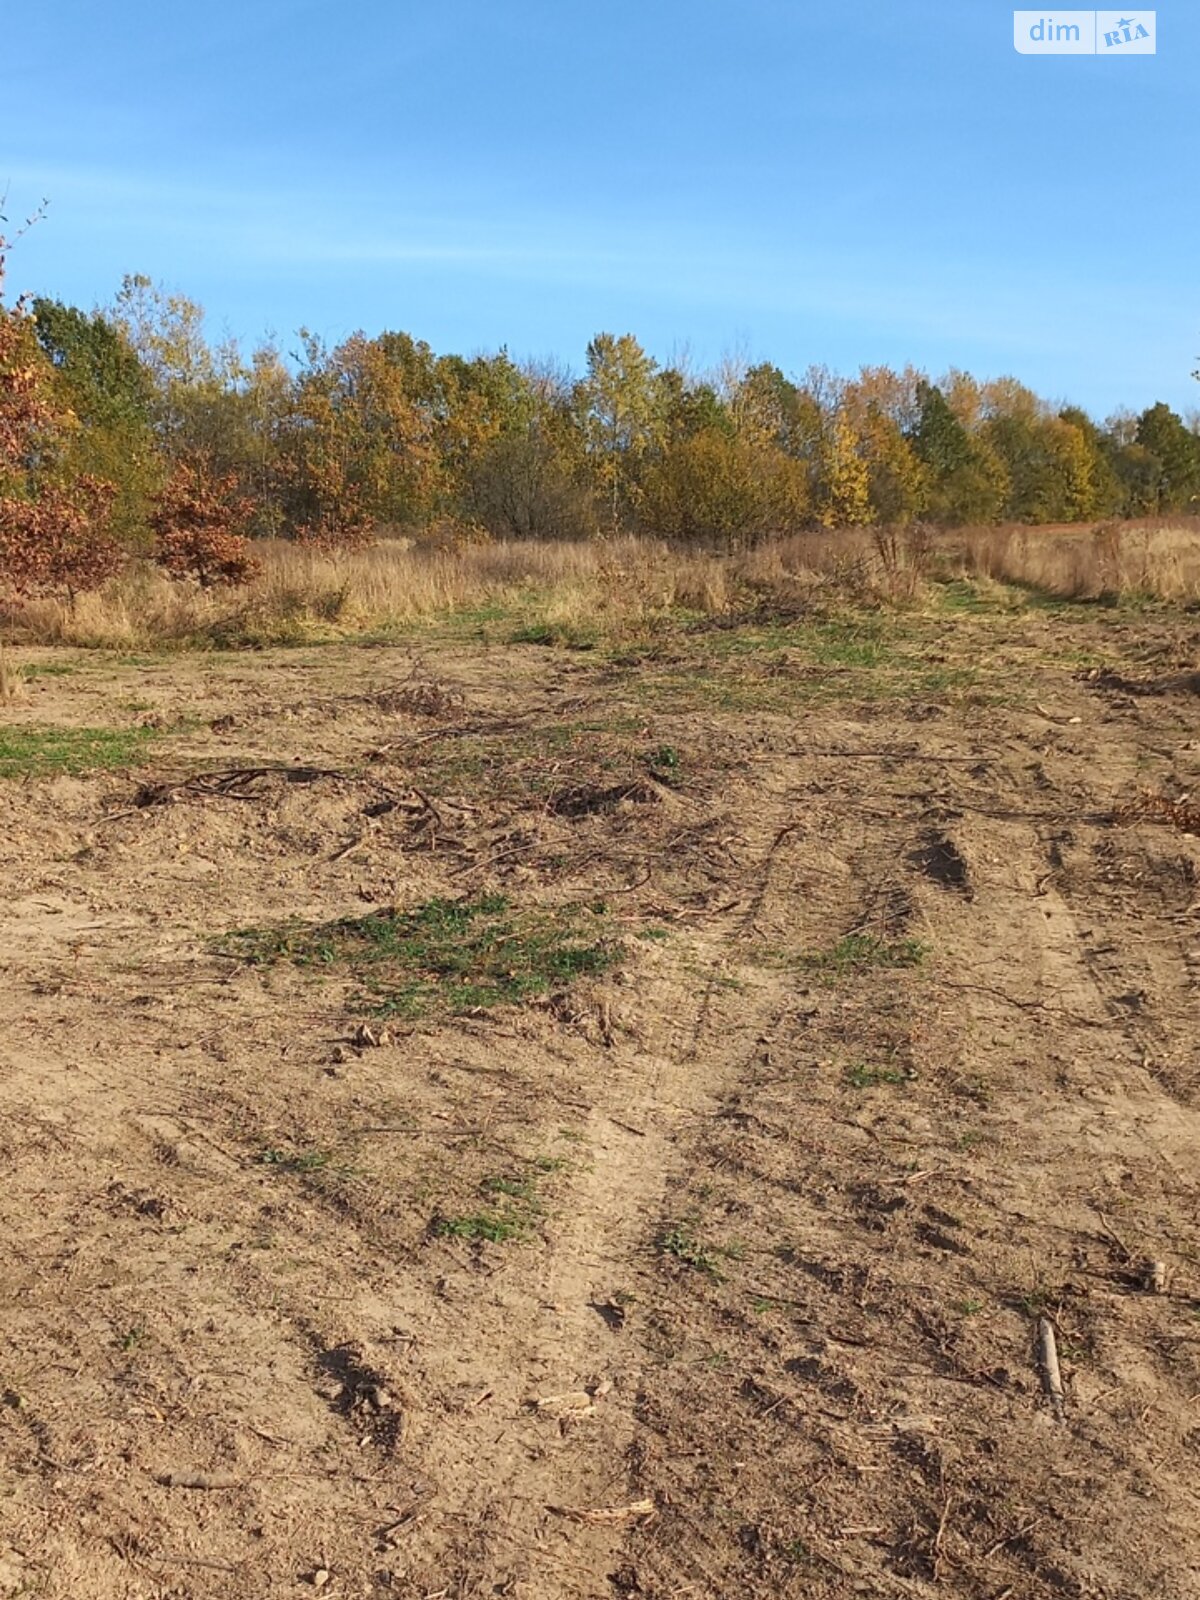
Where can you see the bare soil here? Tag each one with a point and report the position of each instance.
(899, 1062)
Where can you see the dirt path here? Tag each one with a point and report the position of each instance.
(717, 1274)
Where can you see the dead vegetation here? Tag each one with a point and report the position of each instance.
(612, 591)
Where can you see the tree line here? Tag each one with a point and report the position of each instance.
(127, 430)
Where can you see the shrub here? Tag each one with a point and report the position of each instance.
(53, 527)
(714, 490)
(56, 544)
(198, 522)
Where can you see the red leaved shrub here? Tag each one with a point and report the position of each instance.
(53, 536)
(199, 522)
(56, 544)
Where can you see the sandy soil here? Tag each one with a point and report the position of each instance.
(772, 1327)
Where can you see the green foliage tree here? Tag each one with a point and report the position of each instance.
(100, 381)
(1163, 433)
(1049, 467)
(967, 480)
(767, 408)
(1108, 493)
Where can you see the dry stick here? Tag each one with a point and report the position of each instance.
(939, 1536)
(1025, 1005)
(198, 1480)
(890, 755)
(1009, 1538)
(1115, 1236)
(1048, 1361)
(191, 1561)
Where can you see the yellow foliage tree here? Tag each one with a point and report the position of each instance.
(845, 492)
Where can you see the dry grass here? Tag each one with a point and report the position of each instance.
(13, 682)
(1157, 559)
(609, 589)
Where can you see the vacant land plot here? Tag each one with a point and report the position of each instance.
(500, 1120)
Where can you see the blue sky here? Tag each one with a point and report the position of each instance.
(880, 182)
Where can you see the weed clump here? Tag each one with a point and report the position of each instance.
(445, 957)
(859, 952)
(513, 1206)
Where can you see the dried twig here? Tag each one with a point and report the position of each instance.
(235, 783)
(1010, 1538)
(189, 1561)
(939, 1554)
(197, 1480)
(1148, 807)
(1048, 1361)
(1075, 1017)
(1115, 1236)
(611, 1516)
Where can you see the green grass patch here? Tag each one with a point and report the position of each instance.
(47, 752)
(681, 1242)
(512, 1208)
(496, 1227)
(861, 1076)
(294, 1160)
(782, 668)
(829, 642)
(859, 952)
(445, 957)
(48, 669)
(557, 635)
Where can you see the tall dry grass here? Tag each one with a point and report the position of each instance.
(606, 587)
(1156, 559)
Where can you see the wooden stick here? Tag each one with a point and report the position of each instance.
(1048, 1360)
(1115, 1236)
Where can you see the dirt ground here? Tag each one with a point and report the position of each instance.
(897, 1064)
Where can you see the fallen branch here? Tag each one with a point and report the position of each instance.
(1025, 1005)
(607, 1516)
(1115, 1236)
(235, 783)
(1048, 1361)
(197, 1480)
(190, 1561)
(1149, 807)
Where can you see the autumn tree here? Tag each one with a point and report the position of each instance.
(767, 408)
(844, 494)
(1108, 492)
(358, 447)
(881, 405)
(53, 520)
(199, 522)
(617, 410)
(710, 487)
